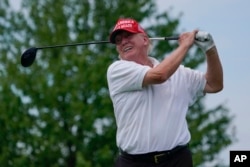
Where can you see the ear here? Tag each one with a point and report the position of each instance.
(146, 40)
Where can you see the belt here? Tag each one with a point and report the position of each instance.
(153, 157)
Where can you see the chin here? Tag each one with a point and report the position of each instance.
(128, 56)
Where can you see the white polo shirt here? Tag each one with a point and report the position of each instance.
(151, 118)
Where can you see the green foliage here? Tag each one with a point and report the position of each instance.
(58, 112)
(209, 131)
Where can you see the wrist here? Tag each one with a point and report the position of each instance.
(184, 48)
(211, 51)
(209, 47)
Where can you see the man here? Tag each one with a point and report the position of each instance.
(151, 98)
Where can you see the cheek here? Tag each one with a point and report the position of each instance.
(118, 49)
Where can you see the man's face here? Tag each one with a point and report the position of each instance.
(131, 46)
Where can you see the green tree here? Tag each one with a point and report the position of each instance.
(58, 111)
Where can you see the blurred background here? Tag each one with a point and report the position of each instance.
(57, 112)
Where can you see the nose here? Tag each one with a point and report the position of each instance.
(121, 39)
(124, 40)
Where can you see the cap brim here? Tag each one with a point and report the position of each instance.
(113, 34)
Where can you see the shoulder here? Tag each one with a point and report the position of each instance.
(184, 69)
(119, 63)
(115, 64)
(122, 65)
(188, 73)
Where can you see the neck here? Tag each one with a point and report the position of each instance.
(146, 62)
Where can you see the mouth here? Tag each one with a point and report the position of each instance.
(126, 49)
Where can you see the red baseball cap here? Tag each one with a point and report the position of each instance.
(125, 24)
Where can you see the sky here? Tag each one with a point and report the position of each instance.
(229, 23)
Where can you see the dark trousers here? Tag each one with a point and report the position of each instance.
(179, 158)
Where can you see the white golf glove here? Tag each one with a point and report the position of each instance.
(204, 41)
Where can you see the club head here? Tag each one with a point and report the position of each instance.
(28, 57)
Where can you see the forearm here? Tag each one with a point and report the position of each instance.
(214, 73)
(167, 67)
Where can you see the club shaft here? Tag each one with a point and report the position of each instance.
(165, 38)
(102, 42)
(74, 44)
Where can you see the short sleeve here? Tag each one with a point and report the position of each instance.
(125, 76)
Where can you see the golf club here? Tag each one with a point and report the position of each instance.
(29, 56)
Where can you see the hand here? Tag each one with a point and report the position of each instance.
(204, 41)
(187, 39)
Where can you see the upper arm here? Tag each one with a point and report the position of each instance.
(211, 88)
(208, 89)
(214, 73)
